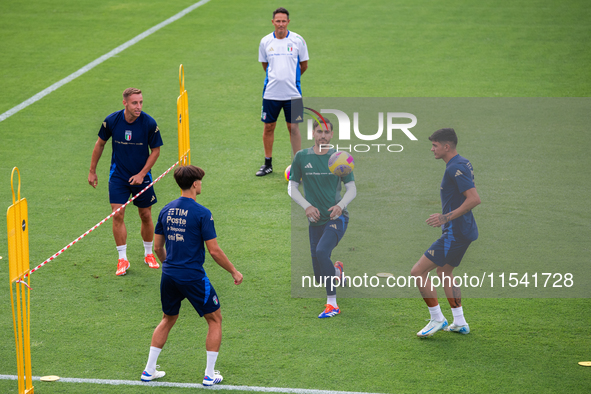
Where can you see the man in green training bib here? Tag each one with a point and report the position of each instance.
(325, 209)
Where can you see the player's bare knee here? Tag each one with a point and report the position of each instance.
(145, 215)
(445, 271)
(169, 319)
(293, 129)
(416, 270)
(269, 128)
(119, 217)
(440, 272)
(214, 318)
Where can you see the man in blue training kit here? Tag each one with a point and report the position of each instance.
(326, 210)
(284, 57)
(184, 226)
(458, 198)
(136, 147)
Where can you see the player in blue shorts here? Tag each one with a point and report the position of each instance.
(284, 56)
(458, 198)
(136, 147)
(184, 226)
(325, 209)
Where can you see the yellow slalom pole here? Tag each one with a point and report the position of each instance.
(18, 261)
(182, 105)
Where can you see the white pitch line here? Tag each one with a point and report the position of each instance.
(192, 386)
(98, 61)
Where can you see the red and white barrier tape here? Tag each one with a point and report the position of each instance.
(23, 282)
(101, 222)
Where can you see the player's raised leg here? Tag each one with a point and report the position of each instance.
(120, 235)
(421, 271)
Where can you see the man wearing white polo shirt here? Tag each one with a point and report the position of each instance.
(284, 56)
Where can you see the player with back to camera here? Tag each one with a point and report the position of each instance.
(284, 57)
(458, 198)
(325, 209)
(184, 226)
(136, 147)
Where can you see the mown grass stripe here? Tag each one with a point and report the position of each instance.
(98, 61)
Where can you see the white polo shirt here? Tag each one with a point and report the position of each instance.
(283, 73)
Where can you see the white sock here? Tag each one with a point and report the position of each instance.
(332, 300)
(459, 319)
(152, 359)
(122, 251)
(436, 314)
(211, 359)
(148, 248)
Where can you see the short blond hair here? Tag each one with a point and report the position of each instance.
(129, 91)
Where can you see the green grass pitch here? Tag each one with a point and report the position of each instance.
(88, 323)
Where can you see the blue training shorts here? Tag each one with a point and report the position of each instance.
(292, 109)
(200, 294)
(447, 250)
(120, 192)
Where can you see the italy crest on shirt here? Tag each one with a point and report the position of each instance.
(289, 47)
(127, 135)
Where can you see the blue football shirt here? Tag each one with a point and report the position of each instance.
(186, 225)
(458, 177)
(131, 143)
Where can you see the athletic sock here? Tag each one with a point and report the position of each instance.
(211, 359)
(152, 359)
(459, 319)
(332, 300)
(122, 251)
(268, 161)
(148, 248)
(436, 314)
